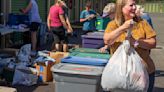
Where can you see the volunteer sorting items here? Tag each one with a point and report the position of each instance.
(143, 36)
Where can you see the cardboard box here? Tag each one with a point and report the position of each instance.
(45, 73)
(58, 56)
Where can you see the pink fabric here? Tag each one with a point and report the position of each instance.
(55, 11)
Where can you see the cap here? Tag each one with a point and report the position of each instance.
(105, 14)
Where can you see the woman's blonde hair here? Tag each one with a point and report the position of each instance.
(119, 18)
(58, 1)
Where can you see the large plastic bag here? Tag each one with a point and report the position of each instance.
(125, 71)
(24, 53)
(24, 76)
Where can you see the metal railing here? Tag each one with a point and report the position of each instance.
(153, 6)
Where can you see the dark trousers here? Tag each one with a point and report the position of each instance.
(151, 82)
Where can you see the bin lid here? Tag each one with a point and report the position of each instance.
(99, 33)
(86, 50)
(77, 69)
(90, 55)
(84, 61)
(93, 36)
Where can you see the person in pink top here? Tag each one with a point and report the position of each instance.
(57, 24)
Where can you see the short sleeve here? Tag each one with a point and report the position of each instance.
(61, 11)
(111, 26)
(93, 12)
(82, 14)
(149, 31)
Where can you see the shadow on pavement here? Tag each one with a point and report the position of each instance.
(159, 73)
(157, 89)
(42, 87)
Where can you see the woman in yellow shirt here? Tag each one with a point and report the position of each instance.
(143, 36)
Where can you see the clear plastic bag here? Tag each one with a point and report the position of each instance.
(125, 71)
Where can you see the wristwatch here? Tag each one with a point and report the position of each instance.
(136, 43)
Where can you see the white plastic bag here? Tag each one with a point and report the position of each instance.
(125, 71)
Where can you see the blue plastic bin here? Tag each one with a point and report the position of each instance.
(84, 61)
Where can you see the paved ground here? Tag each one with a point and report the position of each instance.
(157, 55)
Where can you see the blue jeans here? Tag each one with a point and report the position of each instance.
(151, 82)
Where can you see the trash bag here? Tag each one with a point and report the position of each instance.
(24, 76)
(125, 72)
(24, 53)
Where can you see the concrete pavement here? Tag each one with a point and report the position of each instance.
(157, 54)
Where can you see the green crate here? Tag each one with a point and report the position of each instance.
(88, 52)
(90, 55)
(101, 23)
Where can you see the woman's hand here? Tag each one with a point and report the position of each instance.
(22, 11)
(69, 30)
(49, 29)
(103, 49)
(128, 25)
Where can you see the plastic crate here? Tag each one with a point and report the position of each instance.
(84, 50)
(90, 55)
(16, 19)
(77, 78)
(84, 61)
(92, 41)
(101, 23)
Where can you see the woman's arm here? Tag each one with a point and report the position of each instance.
(104, 49)
(146, 43)
(61, 16)
(69, 24)
(48, 21)
(110, 38)
(25, 10)
(83, 19)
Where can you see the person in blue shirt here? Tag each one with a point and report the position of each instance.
(35, 20)
(140, 12)
(88, 17)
